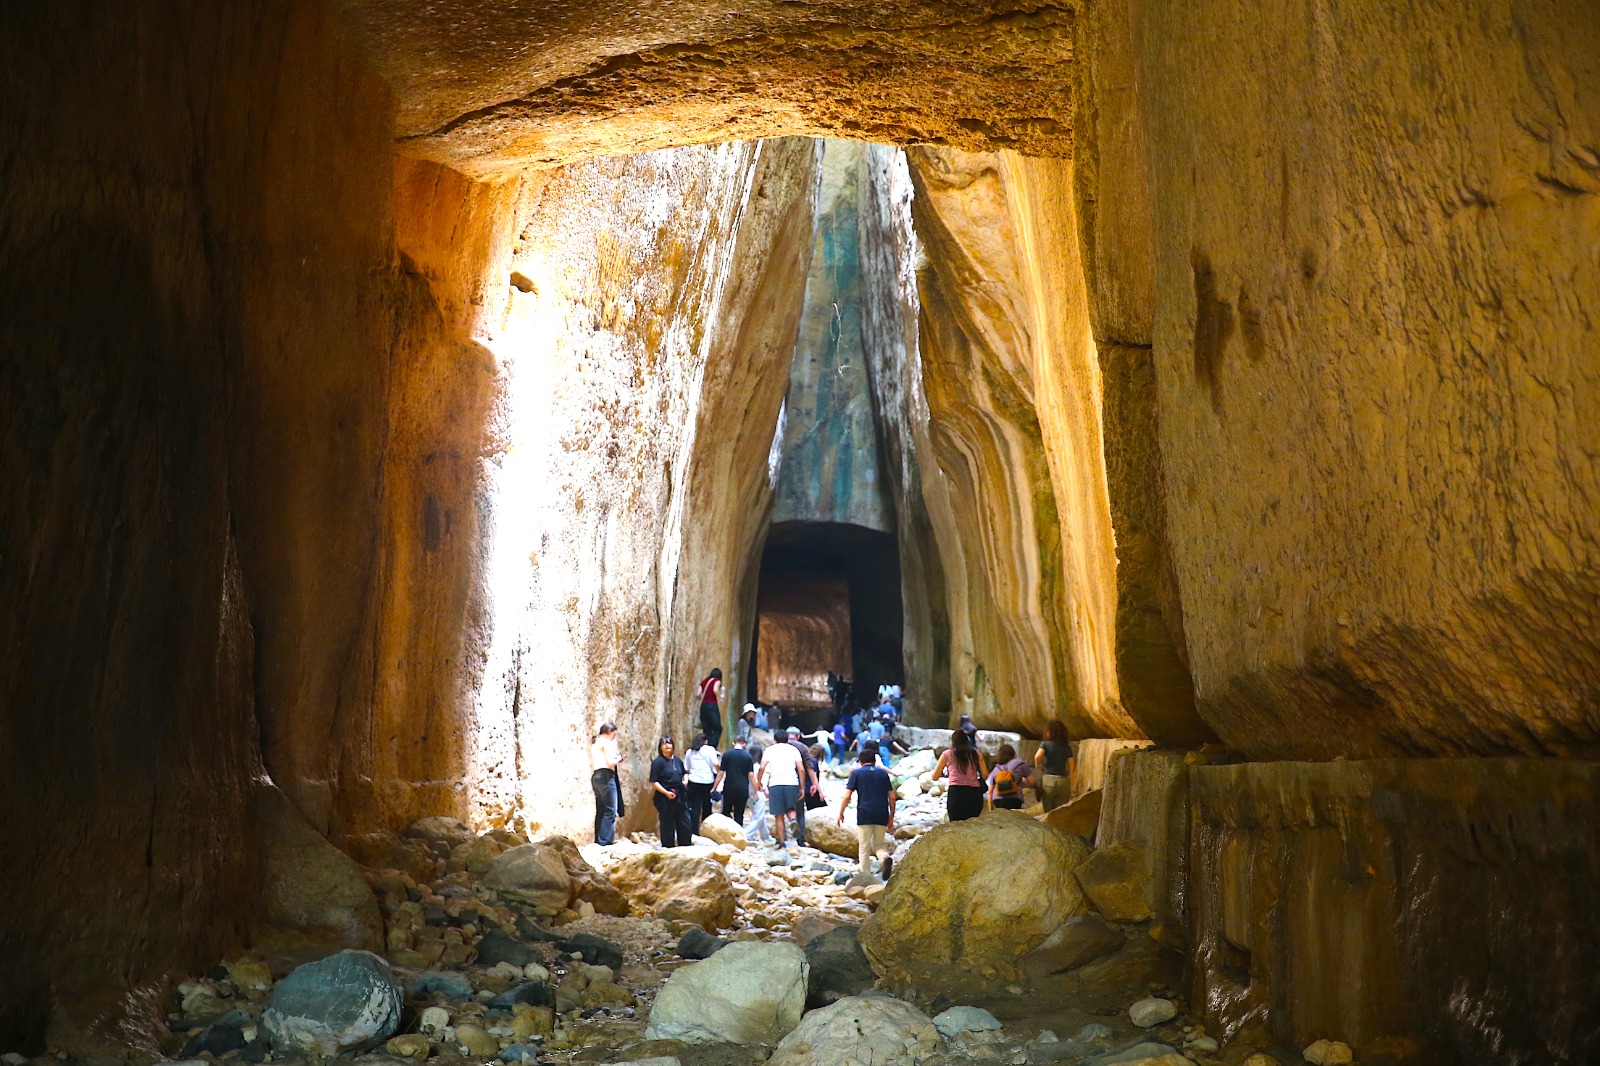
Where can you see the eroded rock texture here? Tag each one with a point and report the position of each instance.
(1371, 364)
(534, 83)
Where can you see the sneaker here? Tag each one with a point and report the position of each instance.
(888, 868)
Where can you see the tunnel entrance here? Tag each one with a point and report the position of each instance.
(828, 601)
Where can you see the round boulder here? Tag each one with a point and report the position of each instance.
(344, 1002)
(747, 993)
(531, 874)
(699, 887)
(974, 893)
(860, 1031)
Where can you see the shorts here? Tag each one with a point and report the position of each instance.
(782, 799)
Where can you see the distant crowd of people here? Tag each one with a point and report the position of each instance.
(782, 780)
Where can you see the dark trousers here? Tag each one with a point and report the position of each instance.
(800, 820)
(711, 723)
(963, 802)
(699, 803)
(674, 816)
(1008, 803)
(604, 783)
(733, 803)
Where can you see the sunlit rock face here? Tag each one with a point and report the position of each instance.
(1008, 455)
(490, 89)
(641, 328)
(1372, 363)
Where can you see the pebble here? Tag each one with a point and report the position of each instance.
(435, 1020)
(1151, 1011)
(475, 1040)
(410, 1046)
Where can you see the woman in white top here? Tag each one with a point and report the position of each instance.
(604, 757)
(702, 764)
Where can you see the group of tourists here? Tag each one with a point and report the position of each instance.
(782, 780)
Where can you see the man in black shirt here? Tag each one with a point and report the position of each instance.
(736, 779)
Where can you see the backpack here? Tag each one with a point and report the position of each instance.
(1005, 782)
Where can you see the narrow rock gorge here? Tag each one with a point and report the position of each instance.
(393, 393)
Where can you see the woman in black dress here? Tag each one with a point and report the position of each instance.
(668, 789)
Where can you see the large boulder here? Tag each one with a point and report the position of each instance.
(588, 884)
(839, 967)
(723, 830)
(532, 874)
(314, 898)
(975, 893)
(1117, 880)
(341, 1003)
(861, 1031)
(826, 834)
(1078, 942)
(652, 878)
(747, 993)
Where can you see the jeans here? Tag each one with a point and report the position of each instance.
(604, 783)
(674, 818)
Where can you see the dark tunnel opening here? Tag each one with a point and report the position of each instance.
(828, 601)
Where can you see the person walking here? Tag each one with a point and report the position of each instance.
(710, 691)
(736, 779)
(837, 742)
(667, 786)
(702, 765)
(781, 774)
(875, 800)
(1053, 760)
(1006, 779)
(604, 758)
(966, 768)
(807, 783)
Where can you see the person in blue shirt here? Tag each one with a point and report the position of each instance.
(875, 800)
(837, 742)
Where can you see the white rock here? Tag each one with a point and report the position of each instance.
(958, 1020)
(747, 993)
(534, 972)
(435, 1020)
(722, 829)
(860, 1031)
(909, 789)
(1152, 1011)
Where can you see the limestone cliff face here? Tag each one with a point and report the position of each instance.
(639, 319)
(1369, 364)
(1019, 511)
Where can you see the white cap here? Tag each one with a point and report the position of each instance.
(749, 706)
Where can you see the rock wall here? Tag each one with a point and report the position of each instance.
(201, 302)
(828, 447)
(640, 323)
(491, 90)
(1410, 907)
(1021, 518)
(1369, 364)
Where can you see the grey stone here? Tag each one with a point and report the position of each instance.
(344, 1002)
(1146, 1049)
(1152, 1011)
(535, 993)
(964, 1019)
(221, 1035)
(597, 951)
(839, 967)
(698, 944)
(1077, 941)
(861, 1031)
(440, 982)
(497, 947)
(520, 1053)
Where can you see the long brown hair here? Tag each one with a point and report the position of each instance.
(964, 753)
(1055, 731)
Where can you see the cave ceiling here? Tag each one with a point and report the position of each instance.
(532, 83)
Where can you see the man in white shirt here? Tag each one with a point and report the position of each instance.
(604, 757)
(781, 776)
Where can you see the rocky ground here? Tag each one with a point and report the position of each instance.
(497, 949)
